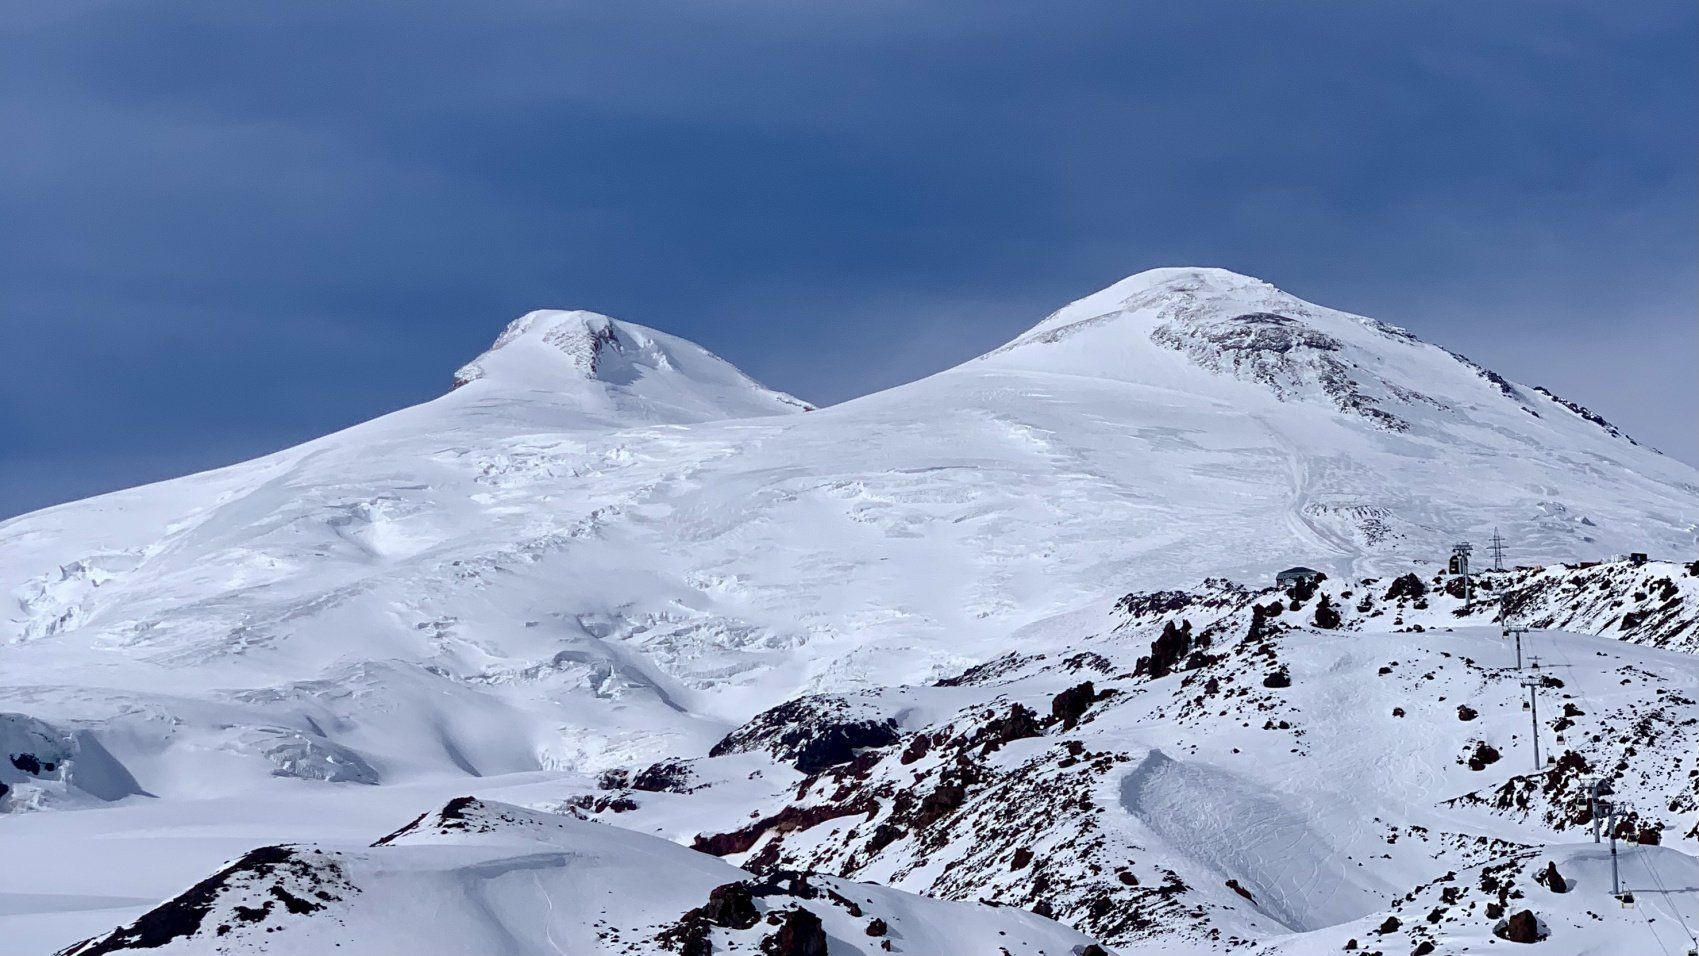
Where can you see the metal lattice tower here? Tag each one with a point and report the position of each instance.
(1497, 551)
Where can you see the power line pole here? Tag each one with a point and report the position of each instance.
(1532, 682)
(1497, 551)
(1516, 631)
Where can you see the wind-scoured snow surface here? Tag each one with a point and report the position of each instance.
(606, 547)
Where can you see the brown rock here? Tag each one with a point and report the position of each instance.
(1070, 705)
(800, 934)
(732, 906)
(1522, 927)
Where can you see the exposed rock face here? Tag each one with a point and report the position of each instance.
(811, 732)
(1020, 723)
(1286, 354)
(1406, 587)
(1070, 705)
(663, 777)
(732, 906)
(800, 934)
(1167, 651)
(280, 879)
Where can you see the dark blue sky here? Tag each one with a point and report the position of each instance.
(226, 228)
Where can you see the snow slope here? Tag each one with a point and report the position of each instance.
(605, 546)
(498, 880)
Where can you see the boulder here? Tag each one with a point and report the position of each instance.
(800, 933)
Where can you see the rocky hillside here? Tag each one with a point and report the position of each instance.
(1228, 769)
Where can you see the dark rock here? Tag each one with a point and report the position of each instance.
(1071, 704)
(938, 804)
(1390, 925)
(1327, 616)
(800, 934)
(732, 906)
(1278, 679)
(1019, 724)
(788, 819)
(1551, 879)
(1484, 754)
(182, 915)
(1406, 586)
(1467, 713)
(695, 941)
(916, 749)
(1423, 948)
(456, 809)
(877, 927)
(664, 777)
(1522, 927)
(27, 763)
(811, 732)
(1166, 651)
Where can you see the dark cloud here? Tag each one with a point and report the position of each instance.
(231, 226)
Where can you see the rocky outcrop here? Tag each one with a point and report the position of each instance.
(258, 888)
(800, 933)
(811, 733)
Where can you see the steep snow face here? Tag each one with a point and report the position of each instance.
(645, 374)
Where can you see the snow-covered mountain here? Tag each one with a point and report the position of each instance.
(606, 547)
